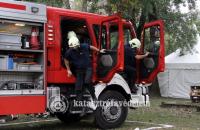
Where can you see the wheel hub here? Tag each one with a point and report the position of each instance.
(111, 111)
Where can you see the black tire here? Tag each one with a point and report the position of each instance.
(68, 117)
(100, 117)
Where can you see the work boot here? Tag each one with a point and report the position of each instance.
(78, 93)
(86, 94)
(79, 97)
(94, 96)
(92, 102)
(91, 91)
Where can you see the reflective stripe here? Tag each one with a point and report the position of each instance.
(12, 6)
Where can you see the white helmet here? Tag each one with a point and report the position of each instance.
(135, 43)
(71, 34)
(73, 42)
(157, 43)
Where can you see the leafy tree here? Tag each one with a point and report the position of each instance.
(66, 4)
(81, 5)
(84, 5)
(93, 6)
(179, 29)
(55, 3)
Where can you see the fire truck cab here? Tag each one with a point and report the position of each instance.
(33, 78)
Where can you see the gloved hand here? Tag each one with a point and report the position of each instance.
(102, 51)
(147, 53)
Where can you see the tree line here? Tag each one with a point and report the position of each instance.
(180, 28)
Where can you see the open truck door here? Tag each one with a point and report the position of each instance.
(110, 38)
(152, 41)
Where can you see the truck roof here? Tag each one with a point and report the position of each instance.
(75, 13)
(19, 10)
(22, 11)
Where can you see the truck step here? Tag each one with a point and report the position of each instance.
(76, 112)
(86, 95)
(74, 95)
(82, 111)
(90, 111)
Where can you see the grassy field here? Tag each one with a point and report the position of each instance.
(143, 118)
(180, 118)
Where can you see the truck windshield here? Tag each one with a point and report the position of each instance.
(127, 34)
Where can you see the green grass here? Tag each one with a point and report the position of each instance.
(180, 118)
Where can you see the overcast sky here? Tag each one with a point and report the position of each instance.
(185, 9)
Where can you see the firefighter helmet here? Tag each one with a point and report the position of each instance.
(73, 42)
(135, 43)
(157, 43)
(71, 34)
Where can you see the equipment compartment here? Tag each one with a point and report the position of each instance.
(21, 58)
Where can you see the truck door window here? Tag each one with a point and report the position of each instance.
(109, 41)
(152, 45)
(127, 35)
(114, 34)
(96, 29)
(103, 38)
(152, 40)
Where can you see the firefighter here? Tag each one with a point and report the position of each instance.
(130, 57)
(78, 57)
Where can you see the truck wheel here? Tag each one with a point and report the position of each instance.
(68, 118)
(110, 115)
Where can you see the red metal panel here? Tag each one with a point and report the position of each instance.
(59, 76)
(22, 104)
(12, 6)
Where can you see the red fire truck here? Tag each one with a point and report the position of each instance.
(33, 78)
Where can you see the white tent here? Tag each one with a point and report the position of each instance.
(181, 72)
